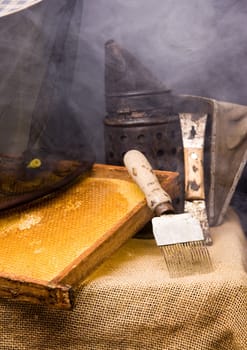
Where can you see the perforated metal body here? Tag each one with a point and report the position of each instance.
(156, 134)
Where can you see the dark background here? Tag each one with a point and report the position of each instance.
(195, 46)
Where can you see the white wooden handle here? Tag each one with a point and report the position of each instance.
(142, 173)
(193, 161)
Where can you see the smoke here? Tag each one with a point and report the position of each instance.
(196, 47)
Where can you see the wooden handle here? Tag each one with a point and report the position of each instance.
(141, 172)
(193, 159)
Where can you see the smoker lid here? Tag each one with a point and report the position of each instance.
(129, 85)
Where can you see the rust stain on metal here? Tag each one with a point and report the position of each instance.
(193, 185)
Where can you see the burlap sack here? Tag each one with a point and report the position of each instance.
(131, 303)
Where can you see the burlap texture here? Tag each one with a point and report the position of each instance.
(131, 303)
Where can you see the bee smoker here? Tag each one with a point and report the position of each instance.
(140, 115)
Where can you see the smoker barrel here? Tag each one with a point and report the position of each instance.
(158, 137)
(140, 115)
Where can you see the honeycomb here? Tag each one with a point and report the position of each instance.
(42, 240)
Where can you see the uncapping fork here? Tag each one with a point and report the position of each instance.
(179, 235)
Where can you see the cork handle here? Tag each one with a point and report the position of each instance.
(141, 172)
(193, 158)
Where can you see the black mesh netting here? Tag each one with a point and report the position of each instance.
(43, 141)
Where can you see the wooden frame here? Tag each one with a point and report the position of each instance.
(60, 291)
